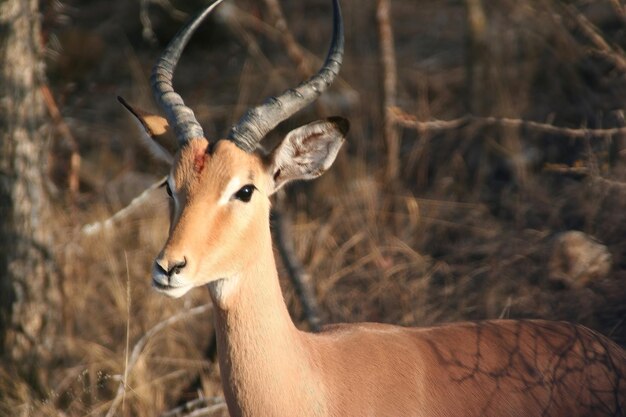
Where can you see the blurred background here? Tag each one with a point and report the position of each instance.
(483, 177)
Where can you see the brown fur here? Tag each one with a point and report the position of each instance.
(270, 368)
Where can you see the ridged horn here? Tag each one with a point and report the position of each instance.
(179, 116)
(260, 120)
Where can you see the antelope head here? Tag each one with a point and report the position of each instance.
(219, 189)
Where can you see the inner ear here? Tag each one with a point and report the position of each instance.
(308, 151)
(157, 136)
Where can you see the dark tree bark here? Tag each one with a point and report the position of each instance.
(29, 291)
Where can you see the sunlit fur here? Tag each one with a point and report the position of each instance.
(513, 368)
(207, 223)
(270, 368)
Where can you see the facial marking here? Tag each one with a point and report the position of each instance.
(199, 161)
(222, 289)
(231, 188)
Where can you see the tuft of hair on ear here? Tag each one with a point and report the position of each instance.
(342, 124)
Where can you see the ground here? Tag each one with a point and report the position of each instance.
(466, 230)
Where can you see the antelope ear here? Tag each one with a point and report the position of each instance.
(156, 133)
(308, 151)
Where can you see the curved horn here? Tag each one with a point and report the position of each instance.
(179, 116)
(258, 121)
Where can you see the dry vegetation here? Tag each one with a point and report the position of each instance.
(464, 231)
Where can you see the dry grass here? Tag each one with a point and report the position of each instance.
(463, 233)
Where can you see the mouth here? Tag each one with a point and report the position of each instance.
(170, 290)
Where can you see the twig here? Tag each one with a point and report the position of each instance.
(146, 24)
(406, 120)
(117, 217)
(612, 52)
(403, 119)
(300, 279)
(585, 172)
(389, 73)
(235, 18)
(278, 31)
(294, 50)
(619, 9)
(200, 407)
(127, 350)
(578, 170)
(231, 16)
(610, 183)
(141, 343)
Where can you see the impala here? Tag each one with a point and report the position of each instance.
(219, 236)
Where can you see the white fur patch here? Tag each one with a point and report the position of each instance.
(232, 187)
(222, 289)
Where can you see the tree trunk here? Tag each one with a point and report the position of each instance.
(29, 291)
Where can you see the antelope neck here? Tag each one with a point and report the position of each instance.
(263, 360)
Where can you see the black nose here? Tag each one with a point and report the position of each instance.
(174, 267)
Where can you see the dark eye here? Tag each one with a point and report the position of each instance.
(168, 190)
(245, 193)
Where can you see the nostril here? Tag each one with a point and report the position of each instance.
(169, 268)
(160, 268)
(176, 267)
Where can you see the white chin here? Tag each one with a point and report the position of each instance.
(223, 288)
(174, 292)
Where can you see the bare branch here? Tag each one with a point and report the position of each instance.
(610, 183)
(409, 121)
(619, 9)
(567, 169)
(146, 24)
(294, 50)
(390, 81)
(611, 52)
(403, 119)
(233, 18)
(119, 216)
